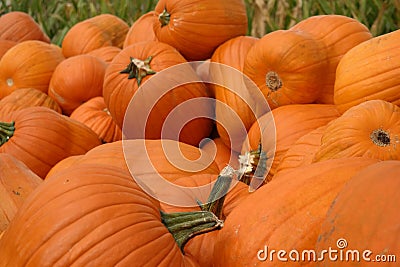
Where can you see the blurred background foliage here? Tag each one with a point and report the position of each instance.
(56, 17)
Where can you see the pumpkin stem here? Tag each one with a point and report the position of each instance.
(164, 17)
(138, 69)
(6, 131)
(380, 137)
(273, 81)
(253, 166)
(107, 111)
(185, 225)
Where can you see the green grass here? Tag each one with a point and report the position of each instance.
(56, 17)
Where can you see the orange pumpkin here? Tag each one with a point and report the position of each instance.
(141, 30)
(287, 67)
(40, 137)
(5, 45)
(339, 34)
(369, 71)
(29, 64)
(284, 215)
(95, 32)
(19, 26)
(17, 181)
(26, 97)
(106, 53)
(94, 114)
(370, 129)
(197, 28)
(127, 79)
(76, 80)
(222, 155)
(364, 217)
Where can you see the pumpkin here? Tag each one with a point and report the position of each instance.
(369, 71)
(90, 215)
(40, 137)
(197, 28)
(76, 80)
(235, 109)
(5, 45)
(94, 114)
(106, 53)
(63, 164)
(279, 129)
(287, 66)
(26, 97)
(19, 26)
(222, 155)
(302, 151)
(93, 33)
(17, 181)
(339, 34)
(285, 214)
(364, 216)
(370, 129)
(29, 64)
(141, 30)
(127, 83)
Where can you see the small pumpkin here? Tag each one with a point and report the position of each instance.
(17, 181)
(19, 26)
(141, 30)
(93, 33)
(287, 66)
(29, 64)
(94, 114)
(370, 129)
(369, 71)
(76, 80)
(339, 34)
(106, 53)
(364, 216)
(26, 97)
(197, 28)
(40, 137)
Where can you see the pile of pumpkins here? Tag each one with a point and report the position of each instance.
(328, 141)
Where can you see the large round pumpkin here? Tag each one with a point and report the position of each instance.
(339, 34)
(132, 80)
(28, 64)
(370, 129)
(287, 66)
(76, 80)
(364, 217)
(196, 28)
(286, 214)
(369, 71)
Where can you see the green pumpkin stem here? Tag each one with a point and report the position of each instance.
(185, 225)
(164, 17)
(6, 131)
(138, 69)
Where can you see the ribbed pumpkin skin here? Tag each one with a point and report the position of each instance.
(28, 64)
(17, 181)
(26, 97)
(94, 114)
(295, 59)
(106, 53)
(369, 71)
(90, 215)
(288, 123)
(230, 91)
(196, 28)
(339, 34)
(20, 26)
(141, 30)
(76, 80)
(370, 129)
(365, 213)
(93, 33)
(5, 45)
(42, 137)
(118, 91)
(285, 214)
